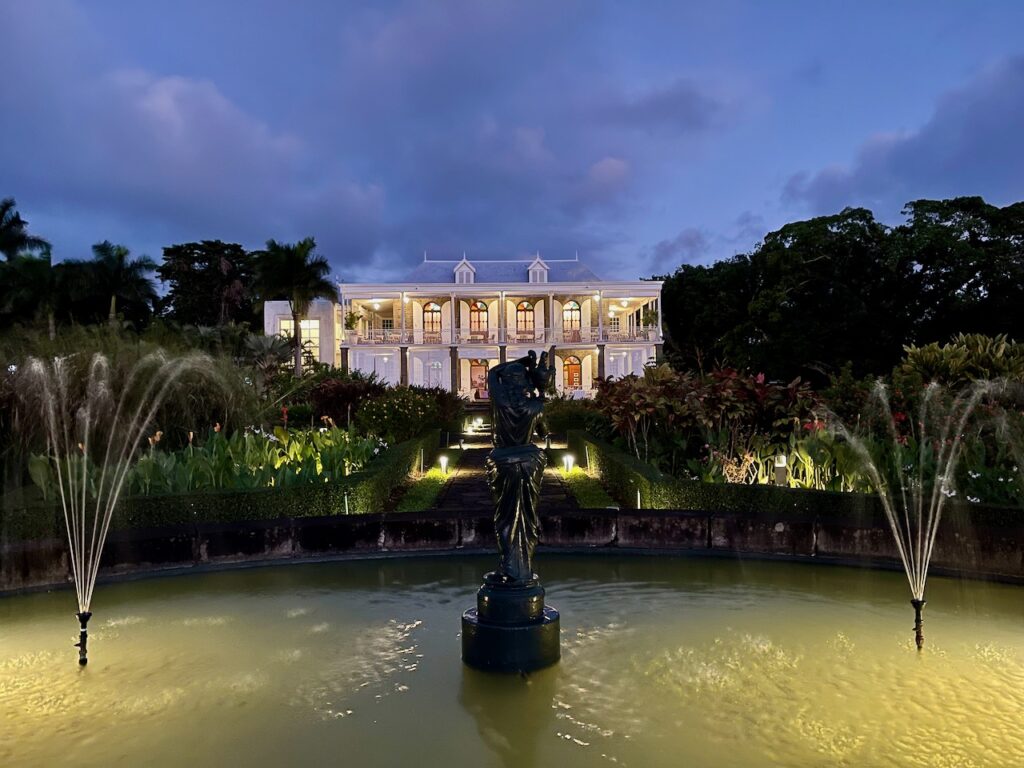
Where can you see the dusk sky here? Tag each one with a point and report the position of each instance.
(642, 135)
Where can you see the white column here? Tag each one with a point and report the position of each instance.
(401, 331)
(659, 317)
(600, 315)
(454, 338)
(502, 324)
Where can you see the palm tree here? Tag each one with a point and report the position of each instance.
(32, 284)
(295, 273)
(14, 236)
(118, 276)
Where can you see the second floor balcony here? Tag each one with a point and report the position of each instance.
(508, 336)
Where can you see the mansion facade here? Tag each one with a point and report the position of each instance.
(449, 321)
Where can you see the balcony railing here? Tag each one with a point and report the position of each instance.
(494, 336)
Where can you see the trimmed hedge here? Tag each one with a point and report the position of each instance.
(624, 476)
(367, 491)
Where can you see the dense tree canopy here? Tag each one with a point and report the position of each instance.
(209, 283)
(839, 289)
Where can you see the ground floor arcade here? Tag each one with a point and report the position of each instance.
(464, 369)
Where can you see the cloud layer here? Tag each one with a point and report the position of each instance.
(641, 141)
(970, 145)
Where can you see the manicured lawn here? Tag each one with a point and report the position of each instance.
(588, 491)
(423, 492)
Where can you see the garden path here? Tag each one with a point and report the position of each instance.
(467, 491)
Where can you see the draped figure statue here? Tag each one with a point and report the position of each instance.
(515, 466)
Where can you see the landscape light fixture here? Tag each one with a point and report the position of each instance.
(443, 458)
(567, 461)
(780, 469)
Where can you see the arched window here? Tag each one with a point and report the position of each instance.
(572, 373)
(524, 318)
(571, 316)
(477, 317)
(432, 317)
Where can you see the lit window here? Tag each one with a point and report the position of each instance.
(432, 317)
(524, 317)
(571, 317)
(478, 317)
(309, 334)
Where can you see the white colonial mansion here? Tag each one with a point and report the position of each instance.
(448, 321)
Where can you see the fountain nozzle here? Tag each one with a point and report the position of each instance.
(918, 622)
(83, 637)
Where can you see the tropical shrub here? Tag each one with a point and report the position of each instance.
(246, 459)
(563, 414)
(966, 358)
(398, 414)
(339, 397)
(451, 409)
(680, 422)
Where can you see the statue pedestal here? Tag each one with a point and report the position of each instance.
(510, 630)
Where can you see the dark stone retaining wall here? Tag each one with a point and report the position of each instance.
(986, 550)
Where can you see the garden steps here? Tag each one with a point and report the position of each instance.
(467, 490)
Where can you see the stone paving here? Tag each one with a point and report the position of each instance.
(467, 490)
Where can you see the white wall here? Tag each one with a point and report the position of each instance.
(321, 310)
(419, 363)
(384, 361)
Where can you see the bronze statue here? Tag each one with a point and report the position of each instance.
(511, 629)
(515, 466)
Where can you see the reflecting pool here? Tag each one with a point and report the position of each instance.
(666, 662)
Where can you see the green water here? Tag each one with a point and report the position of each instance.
(666, 662)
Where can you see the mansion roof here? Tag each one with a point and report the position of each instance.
(502, 271)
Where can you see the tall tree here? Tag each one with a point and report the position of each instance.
(828, 291)
(209, 283)
(32, 287)
(967, 259)
(706, 313)
(295, 273)
(114, 275)
(14, 236)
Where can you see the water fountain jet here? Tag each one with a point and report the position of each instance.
(914, 485)
(93, 434)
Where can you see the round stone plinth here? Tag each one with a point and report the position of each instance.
(521, 647)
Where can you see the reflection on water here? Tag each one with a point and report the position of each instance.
(665, 662)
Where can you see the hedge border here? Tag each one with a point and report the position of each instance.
(624, 476)
(367, 491)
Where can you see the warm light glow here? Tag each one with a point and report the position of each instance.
(611, 313)
(443, 458)
(405, 299)
(624, 302)
(478, 422)
(597, 297)
(376, 305)
(567, 462)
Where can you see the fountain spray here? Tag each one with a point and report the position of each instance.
(915, 483)
(93, 435)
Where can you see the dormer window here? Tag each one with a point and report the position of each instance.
(538, 271)
(464, 272)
